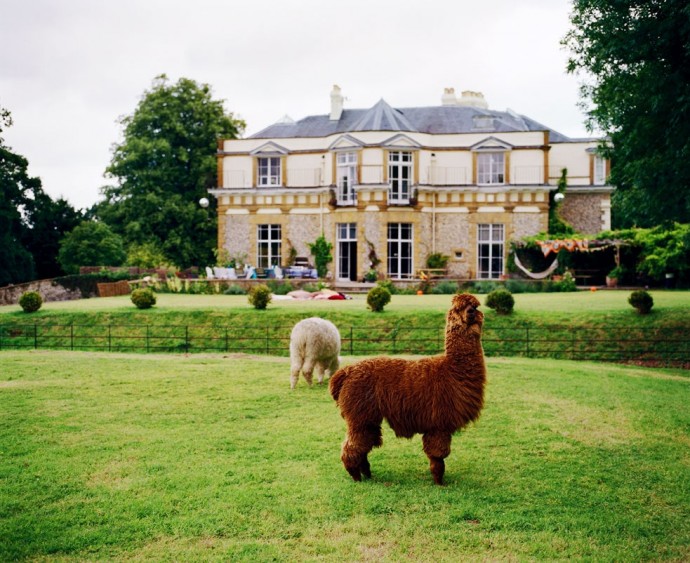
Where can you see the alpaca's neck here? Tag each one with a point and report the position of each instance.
(469, 346)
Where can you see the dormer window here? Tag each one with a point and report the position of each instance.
(268, 171)
(491, 168)
(483, 122)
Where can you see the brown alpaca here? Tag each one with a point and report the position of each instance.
(432, 396)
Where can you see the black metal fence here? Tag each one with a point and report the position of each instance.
(610, 343)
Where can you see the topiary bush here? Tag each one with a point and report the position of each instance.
(30, 301)
(501, 300)
(143, 298)
(388, 284)
(642, 301)
(260, 296)
(377, 298)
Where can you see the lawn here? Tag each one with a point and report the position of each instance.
(581, 325)
(212, 457)
(553, 306)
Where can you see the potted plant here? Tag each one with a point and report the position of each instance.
(371, 276)
(613, 276)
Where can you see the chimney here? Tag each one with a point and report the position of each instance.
(448, 98)
(473, 99)
(336, 103)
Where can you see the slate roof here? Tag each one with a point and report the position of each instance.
(433, 120)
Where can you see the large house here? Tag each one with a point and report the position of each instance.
(390, 186)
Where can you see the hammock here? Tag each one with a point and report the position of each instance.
(539, 275)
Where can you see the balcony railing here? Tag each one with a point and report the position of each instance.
(462, 176)
(373, 174)
(521, 175)
(304, 177)
(448, 176)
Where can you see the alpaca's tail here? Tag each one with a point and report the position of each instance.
(336, 382)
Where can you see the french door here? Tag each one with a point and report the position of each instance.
(400, 250)
(346, 240)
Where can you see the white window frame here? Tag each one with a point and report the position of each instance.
(400, 176)
(268, 245)
(268, 171)
(346, 174)
(405, 250)
(491, 168)
(491, 248)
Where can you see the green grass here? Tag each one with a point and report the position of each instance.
(212, 457)
(584, 324)
(546, 306)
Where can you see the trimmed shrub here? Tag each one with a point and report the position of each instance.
(260, 296)
(642, 301)
(388, 284)
(377, 298)
(30, 301)
(143, 298)
(501, 300)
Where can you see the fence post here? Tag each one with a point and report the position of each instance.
(186, 339)
(110, 337)
(147, 339)
(267, 341)
(527, 341)
(71, 336)
(35, 336)
(226, 339)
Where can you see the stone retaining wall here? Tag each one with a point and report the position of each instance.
(50, 290)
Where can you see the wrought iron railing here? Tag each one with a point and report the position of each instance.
(611, 343)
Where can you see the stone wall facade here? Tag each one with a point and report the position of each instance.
(587, 213)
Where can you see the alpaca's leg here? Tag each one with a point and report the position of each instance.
(320, 368)
(295, 368)
(308, 369)
(437, 448)
(358, 443)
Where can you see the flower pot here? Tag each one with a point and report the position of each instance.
(611, 282)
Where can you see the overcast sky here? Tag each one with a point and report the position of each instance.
(70, 68)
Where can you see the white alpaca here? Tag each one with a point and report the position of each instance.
(314, 343)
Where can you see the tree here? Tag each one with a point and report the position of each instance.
(165, 164)
(636, 55)
(31, 223)
(91, 244)
(49, 221)
(17, 189)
